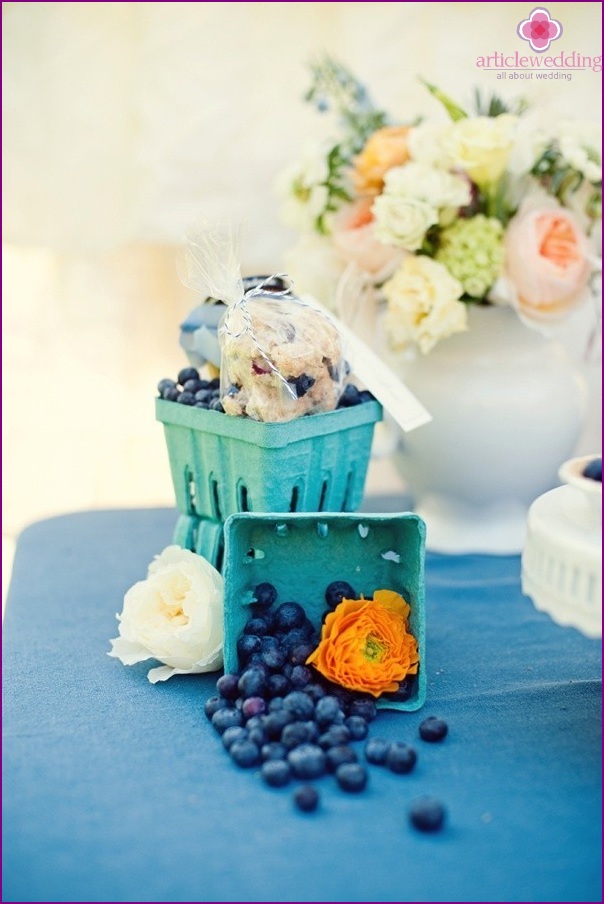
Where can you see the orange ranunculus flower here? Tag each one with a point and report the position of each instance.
(386, 148)
(366, 645)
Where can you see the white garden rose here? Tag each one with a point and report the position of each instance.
(423, 304)
(437, 187)
(174, 616)
(481, 146)
(581, 146)
(303, 189)
(402, 221)
(425, 144)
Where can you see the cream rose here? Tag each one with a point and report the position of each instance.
(423, 304)
(480, 146)
(384, 149)
(403, 221)
(437, 187)
(546, 260)
(174, 616)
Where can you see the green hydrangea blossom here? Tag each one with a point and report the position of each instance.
(472, 252)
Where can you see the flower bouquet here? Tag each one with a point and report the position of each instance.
(479, 207)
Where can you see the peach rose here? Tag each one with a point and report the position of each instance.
(546, 260)
(354, 236)
(386, 148)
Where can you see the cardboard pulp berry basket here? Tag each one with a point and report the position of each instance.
(221, 464)
(300, 554)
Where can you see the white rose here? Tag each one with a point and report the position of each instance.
(428, 183)
(174, 616)
(423, 304)
(581, 146)
(481, 146)
(402, 221)
(425, 144)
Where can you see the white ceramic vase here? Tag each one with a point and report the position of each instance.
(507, 406)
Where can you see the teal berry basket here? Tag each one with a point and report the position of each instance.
(222, 465)
(300, 554)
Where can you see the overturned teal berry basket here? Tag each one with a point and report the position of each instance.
(300, 554)
(222, 465)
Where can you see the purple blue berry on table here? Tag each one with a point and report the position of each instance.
(259, 626)
(351, 777)
(226, 718)
(306, 798)
(278, 686)
(245, 753)
(213, 704)
(275, 722)
(327, 710)
(273, 750)
(216, 405)
(185, 398)
(166, 386)
(307, 760)
(401, 758)
(232, 734)
(427, 814)
(297, 733)
(336, 734)
(433, 729)
(253, 706)
(364, 707)
(593, 469)
(300, 676)
(376, 751)
(357, 726)
(227, 686)
(338, 755)
(300, 653)
(247, 645)
(265, 594)
(337, 591)
(252, 682)
(349, 397)
(276, 773)
(299, 704)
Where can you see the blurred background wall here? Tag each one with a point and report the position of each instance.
(123, 123)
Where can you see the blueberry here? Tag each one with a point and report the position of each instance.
(433, 729)
(213, 704)
(202, 395)
(427, 814)
(299, 704)
(259, 626)
(405, 690)
(187, 373)
(366, 396)
(276, 704)
(227, 686)
(376, 751)
(232, 734)
(278, 686)
(273, 750)
(300, 653)
(335, 735)
(349, 397)
(288, 616)
(265, 594)
(275, 722)
(338, 755)
(226, 718)
(276, 773)
(401, 758)
(247, 644)
(351, 777)
(245, 753)
(274, 657)
(314, 691)
(296, 733)
(306, 798)
(337, 591)
(302, 384)
(357, 726)
(216, 405)
(214, 383)
(252, 683)
(191, 386)
(185, 398)
(363, 707)
(201, 405)
(327, 710)
(165, 386)
(253, 706)
(171, 395)
(307, 761)
(295, 638)
(301, 676)
(593, 469)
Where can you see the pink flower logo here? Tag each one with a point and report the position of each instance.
(539, 29)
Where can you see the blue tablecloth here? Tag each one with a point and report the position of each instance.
(117, 790)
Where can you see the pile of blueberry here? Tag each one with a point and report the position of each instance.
(280, 716)
(190, 389)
